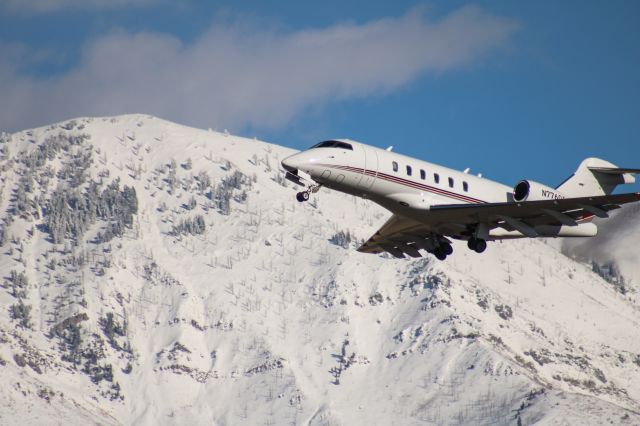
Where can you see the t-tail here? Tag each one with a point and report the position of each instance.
(596, 177)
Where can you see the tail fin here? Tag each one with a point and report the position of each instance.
(596, 177)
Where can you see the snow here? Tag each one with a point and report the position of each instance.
(262, 320)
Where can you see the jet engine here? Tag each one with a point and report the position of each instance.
(528, 190)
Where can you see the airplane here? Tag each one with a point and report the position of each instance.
(432, 205)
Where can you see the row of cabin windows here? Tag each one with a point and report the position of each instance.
(436, 176)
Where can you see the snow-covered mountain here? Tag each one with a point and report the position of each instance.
(157, 274)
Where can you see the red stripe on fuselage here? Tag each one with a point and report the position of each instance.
(406, 182)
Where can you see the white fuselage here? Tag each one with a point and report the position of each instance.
(369, 172)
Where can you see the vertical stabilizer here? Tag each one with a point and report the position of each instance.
(596, 177)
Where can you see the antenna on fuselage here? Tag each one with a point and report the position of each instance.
(466, 171)
(390, 148)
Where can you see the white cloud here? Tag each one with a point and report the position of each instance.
(617, 242)
(233, 76)
(47, 6)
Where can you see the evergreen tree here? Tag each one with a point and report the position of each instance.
(21, 313)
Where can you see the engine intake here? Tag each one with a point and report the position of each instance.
(528, 190)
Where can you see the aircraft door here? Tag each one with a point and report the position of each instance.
(370, 167)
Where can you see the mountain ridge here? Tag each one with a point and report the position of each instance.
(216, 298)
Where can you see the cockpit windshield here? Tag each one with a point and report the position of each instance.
(333, 144)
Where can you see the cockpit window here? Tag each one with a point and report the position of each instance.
(333, 144)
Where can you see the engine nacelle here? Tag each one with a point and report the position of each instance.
(528, 190)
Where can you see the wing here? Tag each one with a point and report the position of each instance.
(402, 235)
(525, 215)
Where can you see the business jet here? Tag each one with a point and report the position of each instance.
(432, 204)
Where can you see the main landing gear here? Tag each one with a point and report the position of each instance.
(304, 195)
(477, 244)
(442, 251)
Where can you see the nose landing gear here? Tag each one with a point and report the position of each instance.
(303, 196)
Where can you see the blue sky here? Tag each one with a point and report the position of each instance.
(511, 89)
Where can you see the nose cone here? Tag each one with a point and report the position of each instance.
(291, 163)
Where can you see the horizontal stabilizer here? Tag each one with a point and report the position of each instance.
(614, 170)
(595, 176)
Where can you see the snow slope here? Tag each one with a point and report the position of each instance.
(261, 318)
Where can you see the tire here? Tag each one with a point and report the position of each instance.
(481, 246)
(472, 243)
(300, 196)
(447, 249)
(440, 255)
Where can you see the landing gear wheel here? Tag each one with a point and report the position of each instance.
(447, 249)
(477, 244)
(441, 252)
(481, 245)
(302, 196)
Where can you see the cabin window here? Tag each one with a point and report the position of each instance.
(408, 170)
(423, 174)
(465, 186)
(450, 182)
(395, 166)
(436, 178)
